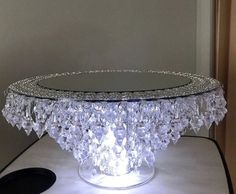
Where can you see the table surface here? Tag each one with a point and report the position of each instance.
(192, 166)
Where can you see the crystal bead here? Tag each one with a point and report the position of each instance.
(112, 135)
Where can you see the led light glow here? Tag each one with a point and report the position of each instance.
(140, 176)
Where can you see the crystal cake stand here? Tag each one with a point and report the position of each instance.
(115, 121)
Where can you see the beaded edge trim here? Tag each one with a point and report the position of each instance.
(199, 84)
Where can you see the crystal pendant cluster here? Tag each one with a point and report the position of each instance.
(117, 137)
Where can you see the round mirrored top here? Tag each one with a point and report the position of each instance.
(114, 82)
(114, 85)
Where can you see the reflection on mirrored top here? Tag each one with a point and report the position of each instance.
(114, 82)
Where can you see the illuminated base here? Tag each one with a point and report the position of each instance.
(134, 178)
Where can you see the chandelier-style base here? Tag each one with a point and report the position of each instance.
(116, 127)
(94, 176)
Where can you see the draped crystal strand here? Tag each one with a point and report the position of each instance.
(115, 136)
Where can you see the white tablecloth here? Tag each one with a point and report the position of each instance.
(192, 166)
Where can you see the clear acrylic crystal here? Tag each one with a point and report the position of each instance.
(115, 136)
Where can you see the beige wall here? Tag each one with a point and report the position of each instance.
(39, 37)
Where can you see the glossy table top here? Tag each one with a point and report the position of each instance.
(192, 166)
